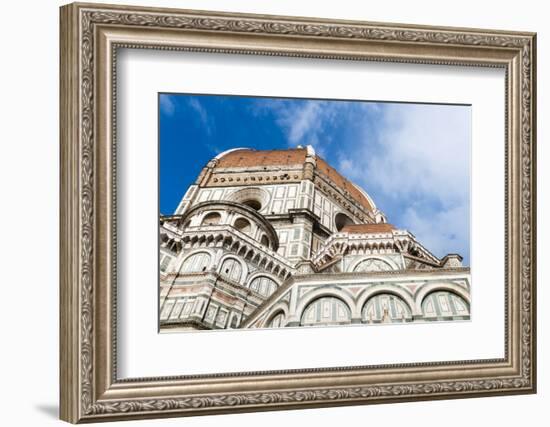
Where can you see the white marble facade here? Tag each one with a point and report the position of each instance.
(280, 239)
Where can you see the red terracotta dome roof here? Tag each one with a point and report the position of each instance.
(242, 158)
(343, 183)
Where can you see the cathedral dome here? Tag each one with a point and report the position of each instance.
(251, 158)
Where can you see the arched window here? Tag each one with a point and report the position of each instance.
(341, 220)
(255, 198)
(231, 269)
(264, 240)
(196, 263)
(277, 321)
(263, 285)
(253, 203)
(386, 308)
(243, 225)
(372, 264)
(444, 304)
(212, 218)
(326, 311)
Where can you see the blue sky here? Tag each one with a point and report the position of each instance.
(412, 159)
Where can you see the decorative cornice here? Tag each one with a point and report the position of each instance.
(240, 208)
(382, 274)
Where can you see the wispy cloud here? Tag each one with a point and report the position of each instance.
(424, 149)
(441, 231)
(167, 105)
(206, 121)
(303, 122)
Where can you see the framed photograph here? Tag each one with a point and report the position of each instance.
(266, 212)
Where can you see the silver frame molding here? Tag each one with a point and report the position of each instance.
(90, 36)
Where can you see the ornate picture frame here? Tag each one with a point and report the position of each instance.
(90, 388)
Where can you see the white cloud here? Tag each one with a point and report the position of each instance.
(442, 231)
(303, 122)
(429, 152)
(420, 149)
(419, 159)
